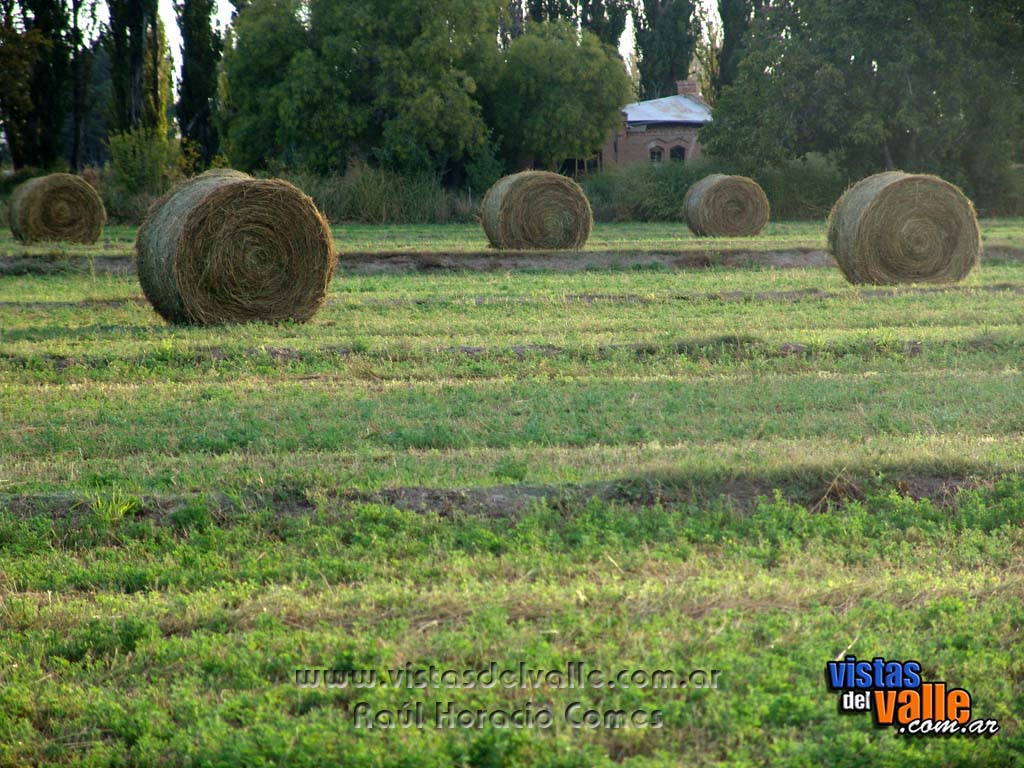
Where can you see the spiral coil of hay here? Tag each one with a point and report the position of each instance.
(224, 247)
(725, 206)
(897, 227)
(536, 210)
(58, 207)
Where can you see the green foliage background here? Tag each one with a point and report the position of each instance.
(880, 84)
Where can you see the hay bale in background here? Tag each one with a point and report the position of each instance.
(224, 247)
(536, 210)
(56, 207)
(898, 227)
(725, 206)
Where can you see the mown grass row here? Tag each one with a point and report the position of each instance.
(753, 471)
(141, 640)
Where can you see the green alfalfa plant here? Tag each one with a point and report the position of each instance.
(107, 508)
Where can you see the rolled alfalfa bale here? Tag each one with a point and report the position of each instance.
(725, 206)
(897, 227)
(224, 247)
(536, 210)
(58, 207)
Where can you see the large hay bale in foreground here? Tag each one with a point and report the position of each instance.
(897, 227)
(224, 247)
(536, 210)
(725, 206)
(58, 207)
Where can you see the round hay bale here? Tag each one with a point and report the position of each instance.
(897, 227)
(725, 206)
(224, 247)
(57, 207)
(536, 210)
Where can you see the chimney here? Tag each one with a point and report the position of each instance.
(689, 87)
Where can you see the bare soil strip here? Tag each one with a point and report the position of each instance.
(372, 262)
(569, 261)
(52, 265)
(814, 488)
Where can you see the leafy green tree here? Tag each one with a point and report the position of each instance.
(877, 84)
(706, 53)
(560, 94)
(139, 68)
(736, 16)
(666, 34)
(157, 81)
(605, 18)
(197, 92)
(551, 10)
(266, 36)
(81, 65)
(511, 23)
(392, 80)
(48, 83)
(425, 88)
(20, 49)
(93, 146)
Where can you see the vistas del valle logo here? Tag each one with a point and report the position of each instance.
(896, 696)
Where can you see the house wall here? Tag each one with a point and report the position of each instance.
(628, 147)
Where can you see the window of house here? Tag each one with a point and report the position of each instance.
(678, 154)
(656, 155)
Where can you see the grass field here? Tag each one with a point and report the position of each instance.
(754, 471)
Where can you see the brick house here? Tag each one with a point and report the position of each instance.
(659, 130)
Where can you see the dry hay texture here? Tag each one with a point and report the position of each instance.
(897, 227)
(58, 207)
(725, 206)
(536, 210)
(224, 247)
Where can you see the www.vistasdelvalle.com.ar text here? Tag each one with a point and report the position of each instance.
(574, 675)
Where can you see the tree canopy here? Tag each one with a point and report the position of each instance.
(468, 88)
(666, 35)
(201, 48)
(559, 94)
(878, 84)
(405, 83)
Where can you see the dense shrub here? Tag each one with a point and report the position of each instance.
(646, 192)
(1004, 195)
(371, 195)
(143, 165)
(804, 189)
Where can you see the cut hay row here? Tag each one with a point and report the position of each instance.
(224, 247)
(896, 227)
(536, 210)
(59, 207)
(725, 206)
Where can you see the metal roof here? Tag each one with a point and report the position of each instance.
(671, 109)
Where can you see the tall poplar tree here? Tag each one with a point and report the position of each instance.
(197, 92)
(666, 35)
